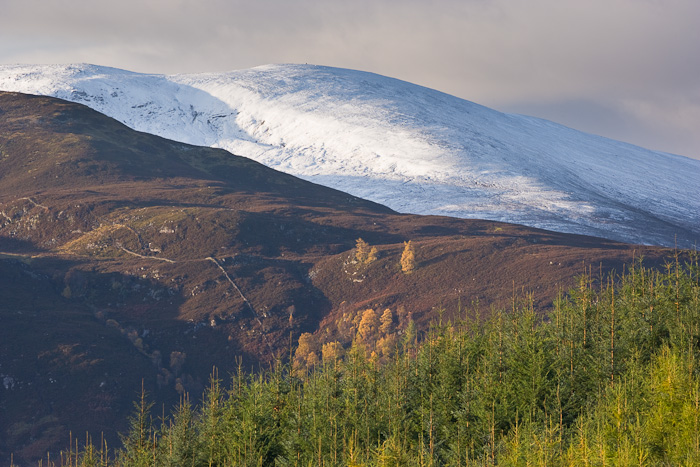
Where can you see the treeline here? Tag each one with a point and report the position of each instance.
(608, 377)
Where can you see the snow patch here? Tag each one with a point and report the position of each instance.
(411, 148)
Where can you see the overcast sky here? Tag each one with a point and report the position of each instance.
(626, 69)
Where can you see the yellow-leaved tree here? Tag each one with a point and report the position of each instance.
(305, 356)
(331, 351)
(408, 258)
(364, 254)
(368, 327)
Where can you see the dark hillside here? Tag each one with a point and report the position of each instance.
(125, 256)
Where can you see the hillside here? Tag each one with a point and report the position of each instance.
(413, 149)
(129, 257)
(602, 380)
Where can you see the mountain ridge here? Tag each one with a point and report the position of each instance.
(408, 147)
(126, 257)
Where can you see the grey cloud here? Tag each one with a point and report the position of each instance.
(567, 61)
(616, 120)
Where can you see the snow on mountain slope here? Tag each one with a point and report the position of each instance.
(408, 147)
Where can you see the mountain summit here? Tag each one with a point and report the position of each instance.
(411, 148)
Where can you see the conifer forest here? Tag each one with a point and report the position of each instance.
(608, 376)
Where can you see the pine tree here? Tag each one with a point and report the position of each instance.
(136, 449)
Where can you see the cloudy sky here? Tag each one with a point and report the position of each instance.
(626, 69)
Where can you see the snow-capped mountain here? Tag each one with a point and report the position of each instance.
(411, 148)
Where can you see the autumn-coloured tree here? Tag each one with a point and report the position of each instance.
(364, 254)
(305, 355)
(387, 322)
(386, 345)
(368, 325)
(372, 256)
(361, 250)
(331, 351)
(408, 258)
(177, 359)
